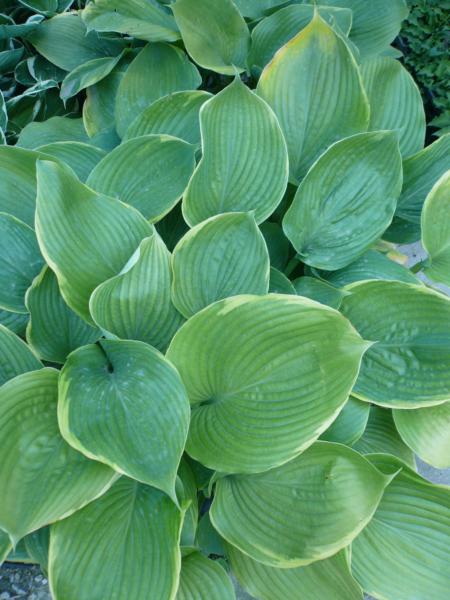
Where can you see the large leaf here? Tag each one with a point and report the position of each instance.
(408, 365)
(318, 290)
(223, 256)
(150, 173)
(159, 69)
(99, 106)
(256, 10)
(42, 478)
(395, 102)
(427, 432)
(87, 74)
(15, 322)
(85, 237)
(214, 33)
(56, 129)
(15, 356)
(244, 164)
(403, 552)
(436, 230)
(20, 262)
(314, 86)
(123, 403)
(346, 200)
(350, 423)
(80, 157)
(124, 545)
(203, 578)
(286, 517)
(259, 364)
(324, 579)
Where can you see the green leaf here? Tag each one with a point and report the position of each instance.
(159, 69)
(37, 544)
(176, 114)
(15, 356)
(87, 74)
(279, 283)
(124, 545)
(244, 164)
(82, 158)
(314, 86)
(5, 546)
(408, 365)
(208, 540)
(209, 263)
(15, 322)
(346, 200)
(395, 102)
(263, 363)
(141, 19)
(318, 290)
(407, 540)
(277, 244)
(214, 33)
(149, 172)
(436, 230)
(427, 432)
(255, 512)
(42, 478)
(85, 237)
(56, 129)
(200, 576)
(349, 424)
(329, 578)
(99, 106)
(256, 10)
(20, 262)
(190, 520)
(136, 304)
(128, 392)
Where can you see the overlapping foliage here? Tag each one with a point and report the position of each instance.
(212, 357)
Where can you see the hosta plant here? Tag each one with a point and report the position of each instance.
(214, 365)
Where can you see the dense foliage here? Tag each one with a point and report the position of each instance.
(212, 357)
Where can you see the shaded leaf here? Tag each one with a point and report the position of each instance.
(350, 424)
(200, 576)
(87, 74)
(55, 129)
(318, 290)
(15, 356)
(279, 283)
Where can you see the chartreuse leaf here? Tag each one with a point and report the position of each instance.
(318, 290)
(256, 364)
(15, 322)
(329, 578)
(15, 356)
(55, 129)
(54, 330)
(350, 423)
(123, 545)
(136, 303)
(314, 86)
(346, 200)
(20, 262)
(255, 512)
(223, 256)
(141, 19)
(159, 69)
(176, 114)
(408, 365)
(126, 391)
(403, 551)
(436, 230)
(395, 102)
(279, 283)
(190, 520)
(201, 577)
(85, 237)
(150, 173)
(87, 74)
(42, 478)
(427, 432)
(214, 33)
(81, 157)
(244, 164)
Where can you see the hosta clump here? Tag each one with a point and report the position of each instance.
(213, 360)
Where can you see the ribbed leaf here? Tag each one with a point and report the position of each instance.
(20, 262)
(223, 256)
(81, 157)
(395, 102)
(314, 86)
(87, 74)
(244, 164)
(346, 200)
(403, 552)
(256, 10)
(436, 230)
(15, 322)
(122, 403)
(42, 478)
(286, 517)
(85, 237)
(149, 173)
(159, 69)
(124, 545)
(350, 423)
(401, 231)
(36, 545)
(15, 356)
(427, 432)
(214, 33)
(260, 364)
(176, 114)
(55, 129)
(279, 283)
(277, 244)
(201, 577)
(136, 304)
(408, 365)
(325, 579)
(99, 106)
(318, 290)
